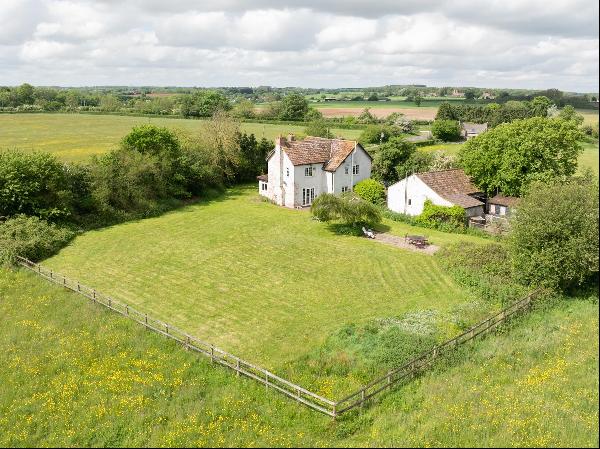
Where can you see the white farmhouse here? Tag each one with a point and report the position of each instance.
(443, 188)
(300, 170)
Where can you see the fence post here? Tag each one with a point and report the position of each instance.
(237, 368)
(78, 287)
(146, 319)
(212, 354)
(126, 309)
(362, 398)
(167, 328)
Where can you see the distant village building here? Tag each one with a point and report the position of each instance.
(300, 170)
(443, 188)
(457, 93)
(487, 96)
(470, 130)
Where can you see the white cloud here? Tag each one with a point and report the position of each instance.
(504, 43)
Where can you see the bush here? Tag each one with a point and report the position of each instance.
(485, 269)
(434, 216)
(370, 190)
(554, 235)
(318, 128)
(446, 130)
(590, 130)
(347, 208)
(30, 237)
(33, 184)
(374, 134)
(127, 181)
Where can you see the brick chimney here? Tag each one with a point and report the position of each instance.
(291, 138)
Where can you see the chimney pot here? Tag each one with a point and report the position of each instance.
(291, 137)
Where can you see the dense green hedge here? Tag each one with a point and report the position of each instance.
(30, 237)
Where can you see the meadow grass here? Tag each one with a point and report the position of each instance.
(75, 137)
(78, 375)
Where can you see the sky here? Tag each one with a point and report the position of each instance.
(533, 44)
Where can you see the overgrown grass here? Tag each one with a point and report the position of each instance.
(75, 137)
(262, 281)
(77, 375)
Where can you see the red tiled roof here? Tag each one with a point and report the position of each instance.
(264, 178)
(318, 150)
(453, 185)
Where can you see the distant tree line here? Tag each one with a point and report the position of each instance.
(494, 113)
(200, 102)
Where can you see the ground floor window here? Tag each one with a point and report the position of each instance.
(308, 196)
(345, 189)
(263, 186)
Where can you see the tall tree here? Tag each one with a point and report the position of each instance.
(293, 107)
(509, 157)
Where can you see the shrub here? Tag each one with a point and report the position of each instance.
(30, 237)
(126, 181)
(374, 134)
(485, 269)
(446, 130)
(347, 208)
(318, 128)
(590, 130)
(150, 139)
(370, 190)
(435, 216)
(554, 235)
(33, 184)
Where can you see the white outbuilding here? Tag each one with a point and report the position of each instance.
(442, 188)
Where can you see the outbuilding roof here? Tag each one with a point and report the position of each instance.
(318, 150)
(509, 201)
(453, 185)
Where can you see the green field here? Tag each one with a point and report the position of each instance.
(77, 375)
(264, 282)
(75, 137)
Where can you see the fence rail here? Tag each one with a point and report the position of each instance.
(217, 355)
(270, 380)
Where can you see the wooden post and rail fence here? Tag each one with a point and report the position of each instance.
(270, 380)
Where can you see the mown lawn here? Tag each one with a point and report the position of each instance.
(77, 375)
(264, 282)
(75, 137)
